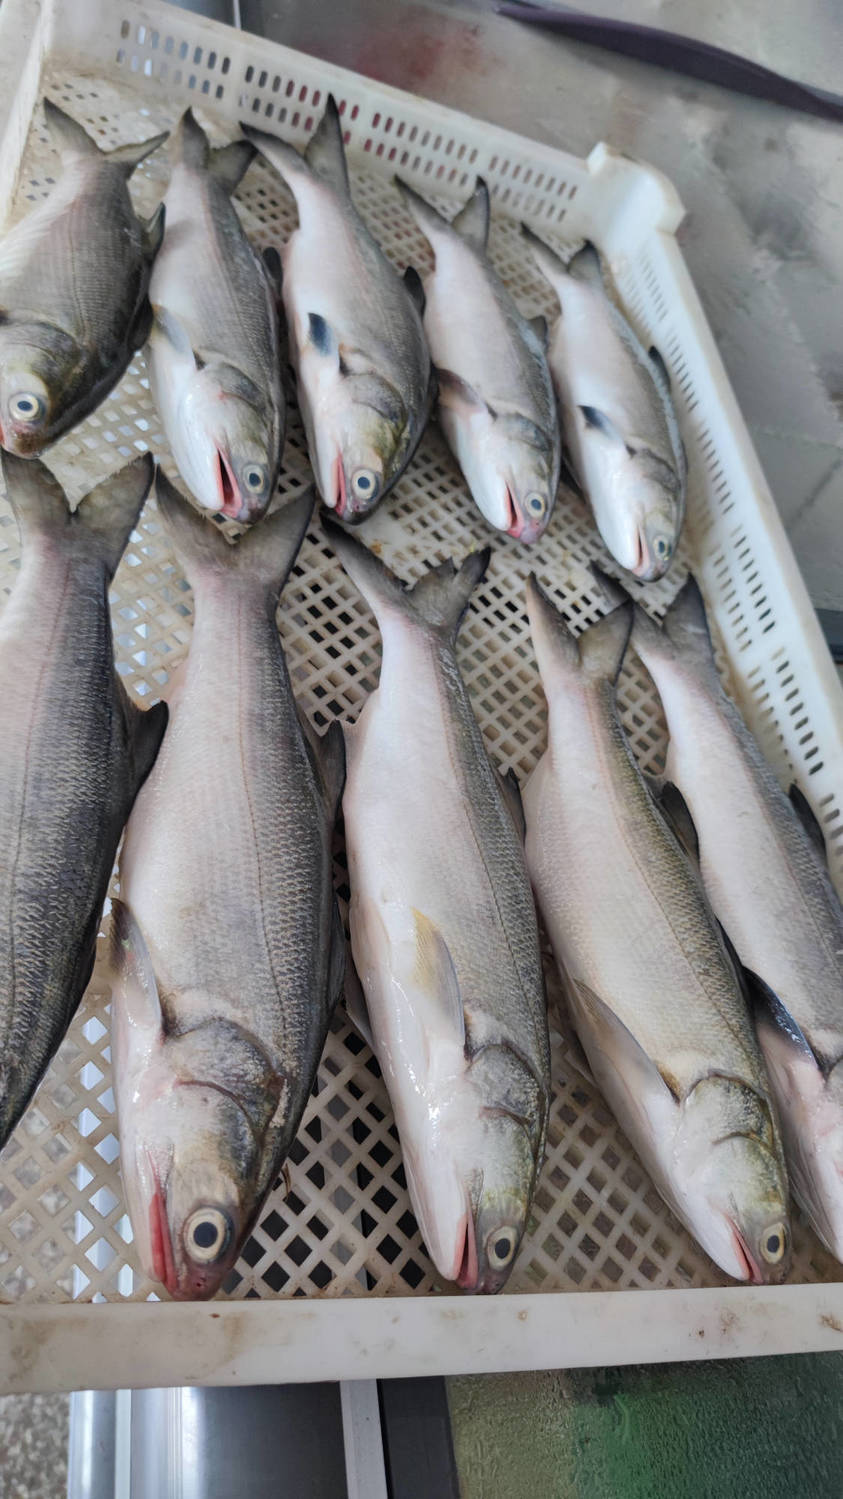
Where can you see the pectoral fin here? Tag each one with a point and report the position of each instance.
(598, 421)
(602, 1031)
(434, 977)
(675, 810)
(131, 968)
(458, 394)
(512, 796)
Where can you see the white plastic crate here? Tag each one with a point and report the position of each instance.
(618, 1279)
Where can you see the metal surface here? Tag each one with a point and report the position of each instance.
(762, 186)
(261, 1443)
(91, 1445)
(363, 1439)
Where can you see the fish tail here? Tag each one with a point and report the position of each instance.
(597, 654)
(189, 144)
(439, 599)
(100, 525)
(325, 152)
(683, 632)
(585, 265)
(263, 557)
(71, 139)
(551, 265)
(471, 223)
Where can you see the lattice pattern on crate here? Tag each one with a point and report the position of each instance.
(338, 1220)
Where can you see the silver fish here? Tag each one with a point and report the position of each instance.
(227, 948)
(73, 290)
(213, 351)
(73, 752)
(365, 385)
(762, 856)
(443, 929)
(655, 998)
(619, 426)
(496, 403)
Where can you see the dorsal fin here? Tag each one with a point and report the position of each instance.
(808, 818)
(325, 152)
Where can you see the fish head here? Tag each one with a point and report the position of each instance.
(38, 386)
(189, 1172)
(736, 1191)
(502, 1201)
(511, 467)
(228, 444)
(655, 518)
(360, 440)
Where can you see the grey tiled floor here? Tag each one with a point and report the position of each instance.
(33, 1446)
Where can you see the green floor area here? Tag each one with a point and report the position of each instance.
(765, 1428)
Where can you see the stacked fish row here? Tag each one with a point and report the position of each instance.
(703, 973)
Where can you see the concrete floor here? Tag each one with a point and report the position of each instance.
(33, 1446)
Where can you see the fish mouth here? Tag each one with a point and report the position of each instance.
(339, 495)
(467, 1270)
(745, 1257)
(232, 505)
(514, 522)
(160, 1241)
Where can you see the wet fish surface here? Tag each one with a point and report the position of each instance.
(763, 861)
(619, 426)
(443, 929)
(73, 753)
(227, 949)
(496, 405)
(365, 385)
(74, 276)
(654, 996)
(213, 351)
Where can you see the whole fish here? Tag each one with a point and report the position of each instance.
(213, 355)
(73, 290)
(655, 998)
(73, 752)
(618, 423)
(226, 947)
(443, 929)
(762, 857)
(357, 344)
(496, 403)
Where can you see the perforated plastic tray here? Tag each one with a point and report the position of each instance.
(609, 1260)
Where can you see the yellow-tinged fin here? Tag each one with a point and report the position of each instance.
(131, 969)
(434, 975)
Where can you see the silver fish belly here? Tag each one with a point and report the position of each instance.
(227, 947)
(73, 752)
(443, 931)
(73, 290)
(621, 435)
(357, 344)
(654, 996)
(213, 351)
(496, 406)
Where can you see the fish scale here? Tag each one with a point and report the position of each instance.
(72, 753)
(227, 949)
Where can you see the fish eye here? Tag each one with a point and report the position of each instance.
(774, 1243)
(254, 477)
(663, 547)
(500, 1247)
(207, 1234)
(365, 483)
(26, 407)
(536, 503)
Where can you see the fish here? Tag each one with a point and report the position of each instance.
(620, 432)
(496, 406)
(763, 861)
(364, 380)
(74, 277)
(74, 751)
(443, 928)
(226, 949)
(213, 352)
(654, 995)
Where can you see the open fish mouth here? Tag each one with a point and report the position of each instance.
(339, 489)
(745, 1256)
(160, 1241)
(466, 1271)
(231, 502)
